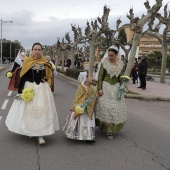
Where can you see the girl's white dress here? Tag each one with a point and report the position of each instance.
(37, 117)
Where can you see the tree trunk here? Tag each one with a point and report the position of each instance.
(72, 57)
(91, 59)
(62, 65)
(132, 54)
(164, 58)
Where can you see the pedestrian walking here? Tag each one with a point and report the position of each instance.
(80, 122)
(14, 73)
(110, 109)
(33, 112)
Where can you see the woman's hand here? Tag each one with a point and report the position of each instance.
(100, 92)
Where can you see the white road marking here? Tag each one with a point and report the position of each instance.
(9, 93)
(0, 118)
(5, 104)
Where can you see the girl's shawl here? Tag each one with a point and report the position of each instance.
(81, 95)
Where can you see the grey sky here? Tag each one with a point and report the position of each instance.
(43, 21)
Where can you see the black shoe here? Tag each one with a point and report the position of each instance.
(90, 141)
(139, 87)
(110, 136)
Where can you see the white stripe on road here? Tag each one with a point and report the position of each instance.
(5, 104)
(0, 118)
(9, 93)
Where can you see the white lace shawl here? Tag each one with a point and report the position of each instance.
(113, 70)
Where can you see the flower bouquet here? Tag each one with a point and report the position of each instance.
(9, 74)
(27, 94)
(123, 88)
(79, 108)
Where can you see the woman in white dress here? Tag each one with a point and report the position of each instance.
(38, 117)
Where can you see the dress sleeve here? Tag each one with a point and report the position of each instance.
(14, 67)
(22, 83)
(100, 78)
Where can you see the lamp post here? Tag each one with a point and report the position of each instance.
(1, 35)
(10, 49)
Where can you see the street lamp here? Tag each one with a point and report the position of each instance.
(1, 35)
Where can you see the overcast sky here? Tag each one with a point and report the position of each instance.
(45, 20)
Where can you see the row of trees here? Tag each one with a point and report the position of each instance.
(97, 33)
(10, 47)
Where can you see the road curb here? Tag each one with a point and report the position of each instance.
(144, 97)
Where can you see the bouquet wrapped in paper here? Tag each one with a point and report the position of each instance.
(123, 88)
(79, 108)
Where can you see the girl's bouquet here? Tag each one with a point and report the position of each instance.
(27, 94)
(9, 74)
(79, 108)
(123, 88)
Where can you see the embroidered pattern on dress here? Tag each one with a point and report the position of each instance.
(111, 69)
(108, 109)
(38, 67)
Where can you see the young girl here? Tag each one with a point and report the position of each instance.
(80, 123)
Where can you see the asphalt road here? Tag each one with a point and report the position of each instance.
(143, 144)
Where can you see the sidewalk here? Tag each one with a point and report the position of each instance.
(154, 91)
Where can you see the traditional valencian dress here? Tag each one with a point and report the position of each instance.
(39, 116)
(14, 81)
(110, 110)
(81, 126)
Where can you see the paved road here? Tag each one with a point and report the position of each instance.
(144, 143)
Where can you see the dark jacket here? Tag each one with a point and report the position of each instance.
(143, 67)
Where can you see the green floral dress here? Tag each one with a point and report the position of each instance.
(110, 110)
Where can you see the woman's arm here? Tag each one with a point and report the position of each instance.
(100, 78)
(15, 66)
(22, 83)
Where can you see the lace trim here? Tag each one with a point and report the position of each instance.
(113, 70)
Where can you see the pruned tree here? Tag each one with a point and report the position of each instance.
(136, 25)
(93, 31)
(78, 39)
(162, 38)
(62, 46)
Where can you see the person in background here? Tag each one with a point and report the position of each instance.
(33, 112)
(142, 71)
(14, 81)
(68, 62)
(80, 122)
(134, 72)
(110, 110)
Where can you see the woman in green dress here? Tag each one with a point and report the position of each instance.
(110, 109)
